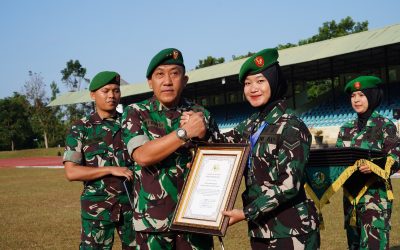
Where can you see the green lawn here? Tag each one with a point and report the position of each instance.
(37, 152)
(39, 209)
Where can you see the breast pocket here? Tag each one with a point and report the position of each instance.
(96, 154)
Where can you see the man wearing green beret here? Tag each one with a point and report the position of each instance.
(161, 148)
(367, 222)
(95, 154)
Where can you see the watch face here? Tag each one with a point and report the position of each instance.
(181, 133)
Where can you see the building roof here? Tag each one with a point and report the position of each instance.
(290, 56)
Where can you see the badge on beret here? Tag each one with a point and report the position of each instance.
(118, 79)
(259, 61)
(357, 85)
(361, 83)
(175, 54)
(167, 56)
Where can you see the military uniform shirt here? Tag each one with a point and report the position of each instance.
(157, 187)
(94, 142)
(274, 199)
(378, 134)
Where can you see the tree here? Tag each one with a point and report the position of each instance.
(242, 56)
(209, 61)
(54, 90)
(73, 75)
(40, 114)
(44, 120)
(328, 30)
(331, 29)
(285, 46)
(59, 127)
(35, 88)
(15, 128)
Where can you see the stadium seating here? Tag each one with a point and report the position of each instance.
(228, 117)
(326, 115)
(322, 115)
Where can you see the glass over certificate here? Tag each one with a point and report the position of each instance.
(210, 188)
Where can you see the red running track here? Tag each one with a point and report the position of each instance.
(31, 162)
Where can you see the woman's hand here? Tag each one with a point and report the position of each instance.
(364, 169)
(235, 215)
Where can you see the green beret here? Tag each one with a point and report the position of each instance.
(103, 78)
(258, 62)
(362, 82)
(164, 57)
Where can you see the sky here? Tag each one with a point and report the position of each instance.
(123, 35)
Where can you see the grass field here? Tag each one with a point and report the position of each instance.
(39, 209)
(31, 152)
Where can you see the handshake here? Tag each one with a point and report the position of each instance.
(194, 124)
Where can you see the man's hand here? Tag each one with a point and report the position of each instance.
(76, 172)
(123, 172)
(185, 117)
(234, 215)
(194, 124)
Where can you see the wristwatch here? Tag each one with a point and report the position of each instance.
(181, 134)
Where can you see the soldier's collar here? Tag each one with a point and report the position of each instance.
(276, 112)
(374, 114)
(182, 105)
(95, 117)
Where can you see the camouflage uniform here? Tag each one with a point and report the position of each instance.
(275, 205)
(94, 142)
(157, 187)
(374, 209)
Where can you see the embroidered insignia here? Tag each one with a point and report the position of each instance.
(357, 85)
(319, 180)
(259, 61)
(291, 146)
(175, 54)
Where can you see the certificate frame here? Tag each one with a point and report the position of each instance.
(211, 187)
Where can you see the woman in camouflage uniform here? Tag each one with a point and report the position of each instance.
(275, 205)
(369, 131)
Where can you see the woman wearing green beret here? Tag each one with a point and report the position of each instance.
(278, 213)
(367, 217)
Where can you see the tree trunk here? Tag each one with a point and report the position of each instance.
(12, 145)
(45, 139)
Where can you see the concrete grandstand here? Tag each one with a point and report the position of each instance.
(332, 62)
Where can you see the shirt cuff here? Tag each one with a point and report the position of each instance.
(250, 213)
(136, 142)
(72, 156)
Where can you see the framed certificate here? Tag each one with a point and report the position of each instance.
(211, 187)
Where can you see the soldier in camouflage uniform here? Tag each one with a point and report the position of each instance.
(369, 131)
(95, 154)
(275, 205)
(161, 149)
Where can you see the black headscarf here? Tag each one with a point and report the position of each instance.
(277, 84)
(374, 97)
